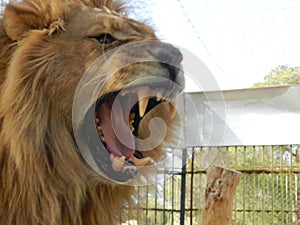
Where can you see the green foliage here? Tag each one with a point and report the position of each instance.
(281, 75)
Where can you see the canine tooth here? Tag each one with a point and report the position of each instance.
(118, 163)
(143, 102)
(172, 111)
(172, 105)
(97, 120)
(143, 98)
(141, 162)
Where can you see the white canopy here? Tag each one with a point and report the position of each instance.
(258, 116)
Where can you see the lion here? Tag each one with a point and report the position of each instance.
(46, 48)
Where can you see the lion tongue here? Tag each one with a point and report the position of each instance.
(123, 143)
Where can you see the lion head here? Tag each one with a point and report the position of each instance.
(52, 150)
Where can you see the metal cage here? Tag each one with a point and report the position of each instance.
(268, 194)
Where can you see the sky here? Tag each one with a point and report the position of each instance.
(240, 41)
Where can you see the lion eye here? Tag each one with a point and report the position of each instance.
(105, 38)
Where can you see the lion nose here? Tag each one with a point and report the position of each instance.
(167, 54)
(170, 57)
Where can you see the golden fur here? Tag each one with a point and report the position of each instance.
(44, 51)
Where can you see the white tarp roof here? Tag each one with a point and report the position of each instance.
(258, 116)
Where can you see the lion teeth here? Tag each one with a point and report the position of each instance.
(143, 102)
(159, 96)
(172, 105)
(118, 162)
(131, 121)
(102, 139)
(172, 111)
(131, 116)
(131, 127)
(140, 162)
(129, 167)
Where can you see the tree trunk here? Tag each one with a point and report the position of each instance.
(219, 194)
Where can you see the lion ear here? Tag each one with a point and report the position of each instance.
(19, 18)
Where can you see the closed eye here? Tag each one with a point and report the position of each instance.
(105, 39)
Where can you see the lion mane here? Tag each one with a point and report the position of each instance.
(45, 48)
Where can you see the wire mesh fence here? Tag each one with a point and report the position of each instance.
(268, 193)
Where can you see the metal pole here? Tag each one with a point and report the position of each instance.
(183, 186)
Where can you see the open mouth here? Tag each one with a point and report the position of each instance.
(117, 119)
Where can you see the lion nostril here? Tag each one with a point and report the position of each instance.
(173, 71)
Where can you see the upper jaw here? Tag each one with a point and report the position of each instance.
(127, 108)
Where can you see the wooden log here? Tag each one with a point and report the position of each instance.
(219, 194)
